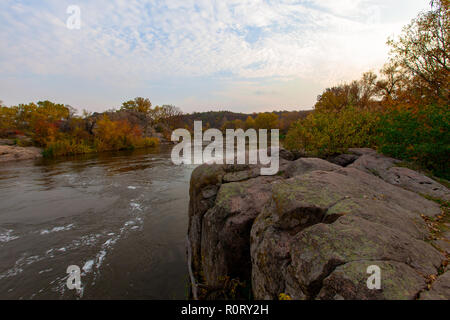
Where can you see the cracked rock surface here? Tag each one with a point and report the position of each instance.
(312, 231)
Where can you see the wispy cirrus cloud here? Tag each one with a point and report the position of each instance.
(251, 54)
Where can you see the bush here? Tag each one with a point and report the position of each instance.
(327, 133)
(7, 120)
(421, 136)
(266, 121)
(147, 142)
(115, 135)
(66, 147)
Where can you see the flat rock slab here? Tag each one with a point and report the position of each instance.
(13, 153)
(305, 165)
(386, 168)
(321, 221)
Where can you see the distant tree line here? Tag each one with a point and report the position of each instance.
(223, 120)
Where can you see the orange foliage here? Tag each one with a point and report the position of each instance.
(118, 135)
(55, 128)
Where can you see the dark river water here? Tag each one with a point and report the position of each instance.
(121, 217)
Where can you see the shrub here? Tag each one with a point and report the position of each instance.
(421, 136)
(66, 147)
(266, 121)
(147, 142)
(328, 133)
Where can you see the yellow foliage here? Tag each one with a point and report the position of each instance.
(66, 147)
(327, 133)
(119, 135)
(249, 123)
(7, 119)
(284, 296)
(266, 121)
(147, 142)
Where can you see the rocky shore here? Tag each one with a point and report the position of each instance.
(312, 231)
(14, 153)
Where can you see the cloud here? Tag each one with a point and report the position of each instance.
(136, 44)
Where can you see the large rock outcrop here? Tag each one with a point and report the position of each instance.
(312, 231)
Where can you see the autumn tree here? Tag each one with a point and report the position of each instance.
(358, 93)
(266, 121)
(168, 115)
(7, 119)
(239, 124)
(139, 104)
(249, 123)
(423, 50)
(54, 111)
(227, 125)
(116, 135)
(287, 119)
(392, 82)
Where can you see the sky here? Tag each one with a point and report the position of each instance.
(238, 55)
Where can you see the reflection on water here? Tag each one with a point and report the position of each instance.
(121, 217)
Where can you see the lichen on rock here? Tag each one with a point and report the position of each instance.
(311, 232)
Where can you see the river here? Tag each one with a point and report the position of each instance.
(121, 217)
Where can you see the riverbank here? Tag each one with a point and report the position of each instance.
(16, 153)
(9, 151)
